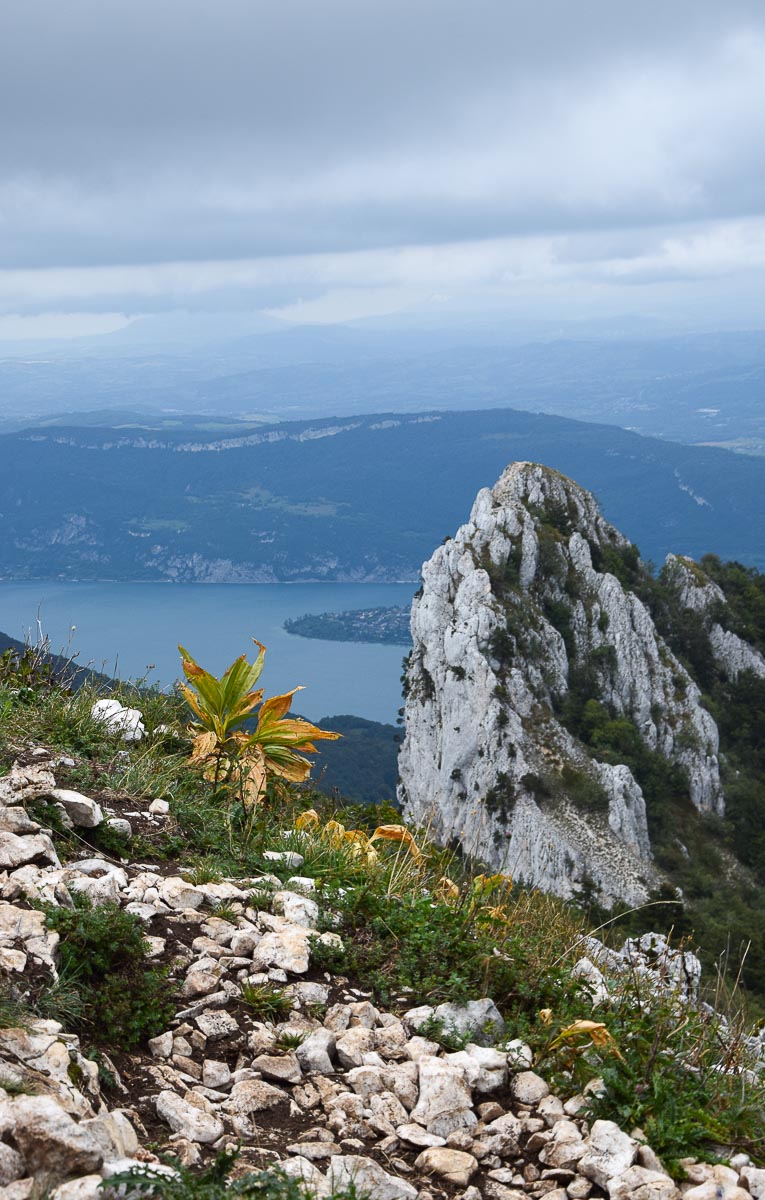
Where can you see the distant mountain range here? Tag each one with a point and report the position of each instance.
(694, 387)
(345, 499)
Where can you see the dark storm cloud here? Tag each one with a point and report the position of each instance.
(137, 132)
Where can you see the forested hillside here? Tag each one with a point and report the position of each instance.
(348, 499)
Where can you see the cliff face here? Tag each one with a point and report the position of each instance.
(699, 594)
(521, 622)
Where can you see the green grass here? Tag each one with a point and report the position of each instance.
(289, 1041)
(266, 1001)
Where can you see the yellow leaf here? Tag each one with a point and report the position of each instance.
(255, 778)
(545, 1016)
(335, 832)
(277, 706)
(595, 1030)
(396, 833)
(447, 890)
(307, 819)
(203, 746)
(497, 913)
(192, 701)
(486, 884)
(358, 843)
(296, 770)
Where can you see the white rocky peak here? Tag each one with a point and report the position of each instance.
(514, 611)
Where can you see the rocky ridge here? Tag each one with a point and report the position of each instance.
(335, 1091)
(514, 612)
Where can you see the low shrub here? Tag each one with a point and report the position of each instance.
(412, 944)
(107, 991)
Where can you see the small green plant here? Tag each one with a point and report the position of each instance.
(236, 760)
(206, 869)
(681, 1073)
(226, 912)
(13, 1013)
(440, 944)
(262, 897)
(107, 990)
(328, 956)
(448, 1036)
(287, 1041)
(266, 1001)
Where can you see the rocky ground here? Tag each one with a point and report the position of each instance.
(268, 1053)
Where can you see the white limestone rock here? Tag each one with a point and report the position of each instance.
(701, 595)
(283, 1068)
(186, 1119)
(528, 1088)
(455, 1166)
(315, 1053)
(479, 1018)
(415, 1135)
(299, 909)
(484, 1067)
(18, 849)
(442, 1091)
(81, 810)
(177, 894)
(753, 1178)
(49, 1140)
(27, 782)
(564, 1148)
(502, 1136)
(288, 949)
(11, 1165)
(484, 758)
(250, 1096)
(639, 1183)
(119, 719)
(609, 1152)
(369, 1179)
(87, 1187)
(352, 1045)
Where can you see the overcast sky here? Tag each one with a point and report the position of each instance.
(332, 158)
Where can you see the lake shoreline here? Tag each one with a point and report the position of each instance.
(120, 628)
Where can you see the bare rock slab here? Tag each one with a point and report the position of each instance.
(455, 1166)
(188, 1120)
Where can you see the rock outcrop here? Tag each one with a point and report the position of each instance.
(519, 613)
(699, 594)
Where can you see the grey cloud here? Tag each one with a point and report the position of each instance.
(144, 132)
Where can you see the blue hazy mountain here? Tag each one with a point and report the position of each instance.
(344, 498)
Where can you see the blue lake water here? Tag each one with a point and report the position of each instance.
(122, 628)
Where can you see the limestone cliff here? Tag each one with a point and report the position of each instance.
(699, 594)
(521, 618)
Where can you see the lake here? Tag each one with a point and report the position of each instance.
(123, 628)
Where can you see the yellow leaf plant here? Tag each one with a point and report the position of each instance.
(239, 759)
